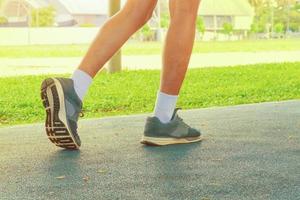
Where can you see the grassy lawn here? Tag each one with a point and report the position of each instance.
(131, 92)
(148, 48)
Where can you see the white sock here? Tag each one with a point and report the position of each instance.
(82, 82)
(164, 107)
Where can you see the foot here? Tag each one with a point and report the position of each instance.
(174, 132)
(63, 108)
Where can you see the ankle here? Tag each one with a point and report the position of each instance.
(165, 106)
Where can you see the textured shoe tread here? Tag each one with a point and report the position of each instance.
(56, 130)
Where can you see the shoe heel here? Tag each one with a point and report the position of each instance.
(56, 131)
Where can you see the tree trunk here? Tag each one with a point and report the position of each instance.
(115, 63)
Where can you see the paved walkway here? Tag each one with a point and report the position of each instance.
(31, 66)
(250, 152)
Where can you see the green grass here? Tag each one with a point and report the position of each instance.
(148, 48)
(130, 92)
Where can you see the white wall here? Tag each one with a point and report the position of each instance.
(243, 22)
(66, 35)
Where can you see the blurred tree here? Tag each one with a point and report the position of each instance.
(294, 20)
(146, 33)
(43, 17)
(164, 20)
(262, 16)
(256, 3)
(254, 28)
(297, 6)
(115, 63)
(200, 25)
(279, 28)
(3, 20)
(283, 3)
(227, 29)
(270, 12)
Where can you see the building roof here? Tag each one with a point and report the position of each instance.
(226, 8)
(37, 4)
(87, 7)
(90, 7)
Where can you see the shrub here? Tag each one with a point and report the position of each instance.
(146, 32)
(227, 28)
(87, 25)
(3, 20)
(279, 28)
(200, 25)
(43, 17)
(164, 21)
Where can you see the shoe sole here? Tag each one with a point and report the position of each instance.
(168, 141)
(56, 124)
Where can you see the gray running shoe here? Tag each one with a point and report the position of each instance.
(174, 132)
(63, 108)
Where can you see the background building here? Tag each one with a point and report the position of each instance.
(94, 12)
(91, 12)
(16, 11)
(215, 13)
(68, 12)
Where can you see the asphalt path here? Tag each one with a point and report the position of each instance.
(249, 152)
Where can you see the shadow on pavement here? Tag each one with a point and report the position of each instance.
(63, 163)
(170, 165)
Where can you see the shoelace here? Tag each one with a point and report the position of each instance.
(175, 112)
(81, 114)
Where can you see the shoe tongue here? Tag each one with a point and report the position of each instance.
(175, 113)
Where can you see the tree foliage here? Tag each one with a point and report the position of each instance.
(227, 28)
(279, 28)
(283, 13)
(164, 20)
(3, 20)
(43, 17)
(200, 25)
(146, 33)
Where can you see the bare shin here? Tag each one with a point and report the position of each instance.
(114, 33)
(179, 44)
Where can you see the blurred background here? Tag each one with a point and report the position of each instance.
(63, 29)
(246, 51)
(218, 20)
